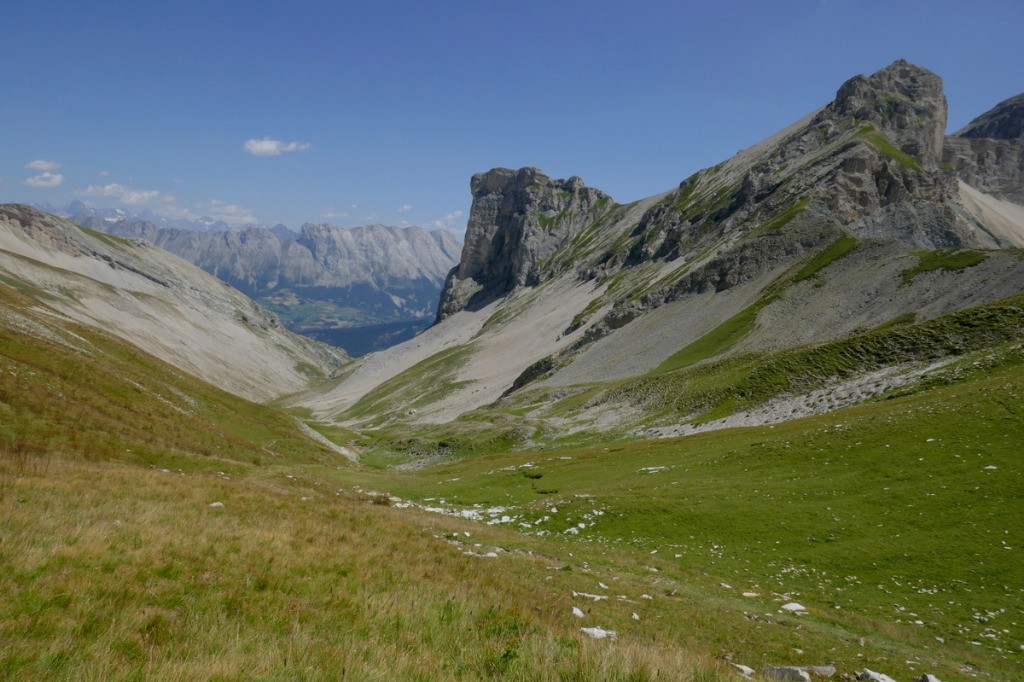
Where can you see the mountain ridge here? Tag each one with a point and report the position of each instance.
(158, 302)
(800, 223)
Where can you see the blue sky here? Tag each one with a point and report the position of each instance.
(360, 112)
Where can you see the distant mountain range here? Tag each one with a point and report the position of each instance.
(361, 288)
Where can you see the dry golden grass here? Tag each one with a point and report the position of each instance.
(113, 571)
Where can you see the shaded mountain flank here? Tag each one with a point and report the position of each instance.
(856, 216)
(362, 288)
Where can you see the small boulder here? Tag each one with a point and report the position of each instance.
(786, 672)
(744, 670)
(872, 676)
(217, 505)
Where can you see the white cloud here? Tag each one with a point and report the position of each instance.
(232, 214)
(133, 197)
(447, 222)
(333, 213)
(405, 208)
(269, 147)
(42, 165)
(45, 180)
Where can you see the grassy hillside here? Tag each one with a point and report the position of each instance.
(895, 523)
(155, 527)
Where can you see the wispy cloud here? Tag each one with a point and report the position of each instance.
(42, 165)
(405, 208)
(333, 213)
(45, 180)
(447, 222)
(269, 147)
(132, 197)
(232, 214)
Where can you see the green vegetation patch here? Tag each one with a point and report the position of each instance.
(424, 383)
(881, 144)
(733, 330)
(943, 259)
(783, 218)
(834, 252)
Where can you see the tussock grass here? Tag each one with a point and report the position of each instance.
(112, 571)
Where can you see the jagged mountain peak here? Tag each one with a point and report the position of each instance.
(905, 102)
(1005, 121)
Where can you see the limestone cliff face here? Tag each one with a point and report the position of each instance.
(905, 102)
(988, 154)
(395, 273)
(518, 220)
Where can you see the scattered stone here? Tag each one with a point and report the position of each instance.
(872, 676)
(595, 597)
(577, 612)
(929, 678)
(216, 505)
(786, 673)
(793, 606)
(600, 633)
(751, 594)
(744, 670)
(636, 616)
(820, 670)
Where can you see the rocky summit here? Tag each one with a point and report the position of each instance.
(518, 221)
(988, 154)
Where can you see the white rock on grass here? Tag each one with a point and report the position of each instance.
(217, 505)
(577, 612)
(929, 678)
(872, 676)
(744, 670)
(793, 606)
(788, 673)
(595, 597)
(600, 633)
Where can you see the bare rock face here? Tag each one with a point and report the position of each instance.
(518, 219)
(988, 154)
(905, 102)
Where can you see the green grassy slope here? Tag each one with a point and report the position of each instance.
(897, 521)
(114, 565)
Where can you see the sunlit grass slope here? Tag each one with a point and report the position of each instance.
(154, 527)
(899, 521)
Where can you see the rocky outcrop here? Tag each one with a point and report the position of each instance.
(903, 101)
(518, 220)
(988, 154)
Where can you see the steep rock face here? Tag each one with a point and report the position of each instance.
(519, 219)
(905, 102)
(988, 154)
